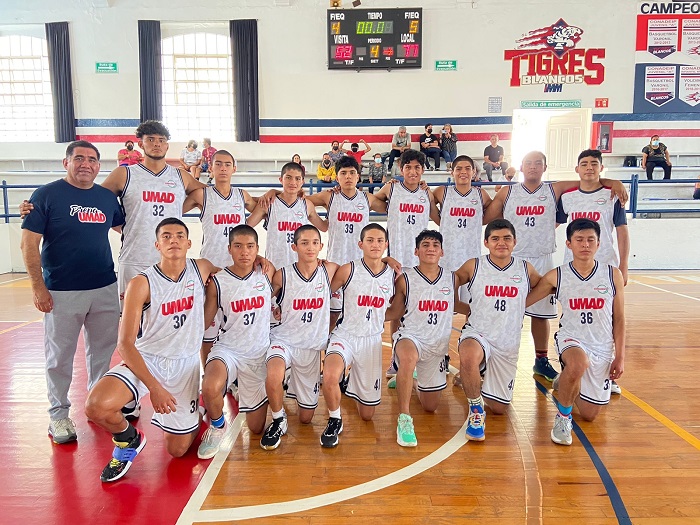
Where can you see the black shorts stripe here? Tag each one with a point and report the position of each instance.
(363, 401)
(127, 382)
(253, 409)
(495, 398)
(593, 401)
(539, 316)
(433, 388)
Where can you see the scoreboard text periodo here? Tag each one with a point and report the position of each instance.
(374, 38)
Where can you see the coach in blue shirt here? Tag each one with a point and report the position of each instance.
(72, 277)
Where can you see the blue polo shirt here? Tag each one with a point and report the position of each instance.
(75, 223)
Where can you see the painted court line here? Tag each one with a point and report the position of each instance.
(683, 434)
(667, 291)
(17, 327)
(299, 505)
(189, 513)
(13, 280)
(533, 484)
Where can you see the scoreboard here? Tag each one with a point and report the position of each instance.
(374, 38)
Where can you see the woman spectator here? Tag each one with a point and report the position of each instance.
(448, 144)
(191, 158)
(297, 158)
(656, 154)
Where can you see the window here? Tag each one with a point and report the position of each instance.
(198, 86)
(26, 107)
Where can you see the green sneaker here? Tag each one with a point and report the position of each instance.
(392, 382)
(405, 435)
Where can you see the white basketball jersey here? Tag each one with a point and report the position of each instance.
(306, 312)
(219, 215)
(346, 218)
(245, 303)
(408, 215)
(429, 306)
(148, 198)
(598, 207)
(282, 221)
(587, 307)
(172, 324)
(534, 215)
(498, 301)
(461, 218)
(365, 299)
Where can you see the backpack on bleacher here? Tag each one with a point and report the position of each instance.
(630, 161)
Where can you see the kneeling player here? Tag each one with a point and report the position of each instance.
(490, 340)
(242, 293)
(304, 292)
(424, 301)
(368, 285)
(159, 340)
(591, 336)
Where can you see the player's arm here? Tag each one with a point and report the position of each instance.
(116, 180)
(206, 268)
(32, 261)
(376, 204)
(250, 201)
(623, 245)
(331, 269)
(465, 273)
(191, 184)
(533, 275)
(435, 203)
(495, 209)
(257, 215)
(138, 295)
(277, 283)
(546, 285)
(340, 278)
(486, 200)
(383, 193)
(618, 365)
(211, 303)
(460, 306)
(617, 189)
(322, 198)
(398, 302)
(321, 224)
(194, 200)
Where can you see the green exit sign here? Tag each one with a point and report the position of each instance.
(106, 67)
(445, 65)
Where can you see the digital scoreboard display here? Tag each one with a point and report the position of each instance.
(374, 38)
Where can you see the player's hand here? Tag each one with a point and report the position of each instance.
(265, 265)
(265, 200)
(163, 401)
(669, 163)
(617, 368)
(393, 264)
(423, 185)
(335, 189)
(277, 313)
(42, 299)
(617, 189)
(24, 208)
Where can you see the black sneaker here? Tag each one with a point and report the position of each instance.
(273, 433)
(329, 438)
(132, 414)
(344, 383)
(122, 457)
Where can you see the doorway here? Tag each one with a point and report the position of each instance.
(560, 133)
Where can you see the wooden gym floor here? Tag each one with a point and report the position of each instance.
(638, 463)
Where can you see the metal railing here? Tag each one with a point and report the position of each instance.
(315, 186)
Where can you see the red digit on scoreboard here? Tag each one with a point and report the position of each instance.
(411, 50)
(343, 52)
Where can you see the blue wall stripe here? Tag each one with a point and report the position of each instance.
(107, 122)
(614, 495)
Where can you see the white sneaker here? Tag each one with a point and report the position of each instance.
(561, 432)
(234, 390)
(615, 388)
(211, 442)
(62, 431)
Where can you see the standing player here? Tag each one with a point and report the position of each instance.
(532, 208)
(287, 212)
(368, 285)
(594, 201)
(304, 291)
(159, 339)
(490, 340)
(591, 336)
(424, 301)
(242, 293)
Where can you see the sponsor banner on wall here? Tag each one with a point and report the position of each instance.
(551, 57)
(667, 57)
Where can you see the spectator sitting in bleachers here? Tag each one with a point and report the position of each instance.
(493, 158)
(335, 153)
(377, 172)
(448, 144)
(400, 143)
(207, 156)
(430, 146)
(129, 155)
(326, 170)
(510, 175)
(656, 154)
(297, 158)
(355, 151)
(696, 193)
(191, 159)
